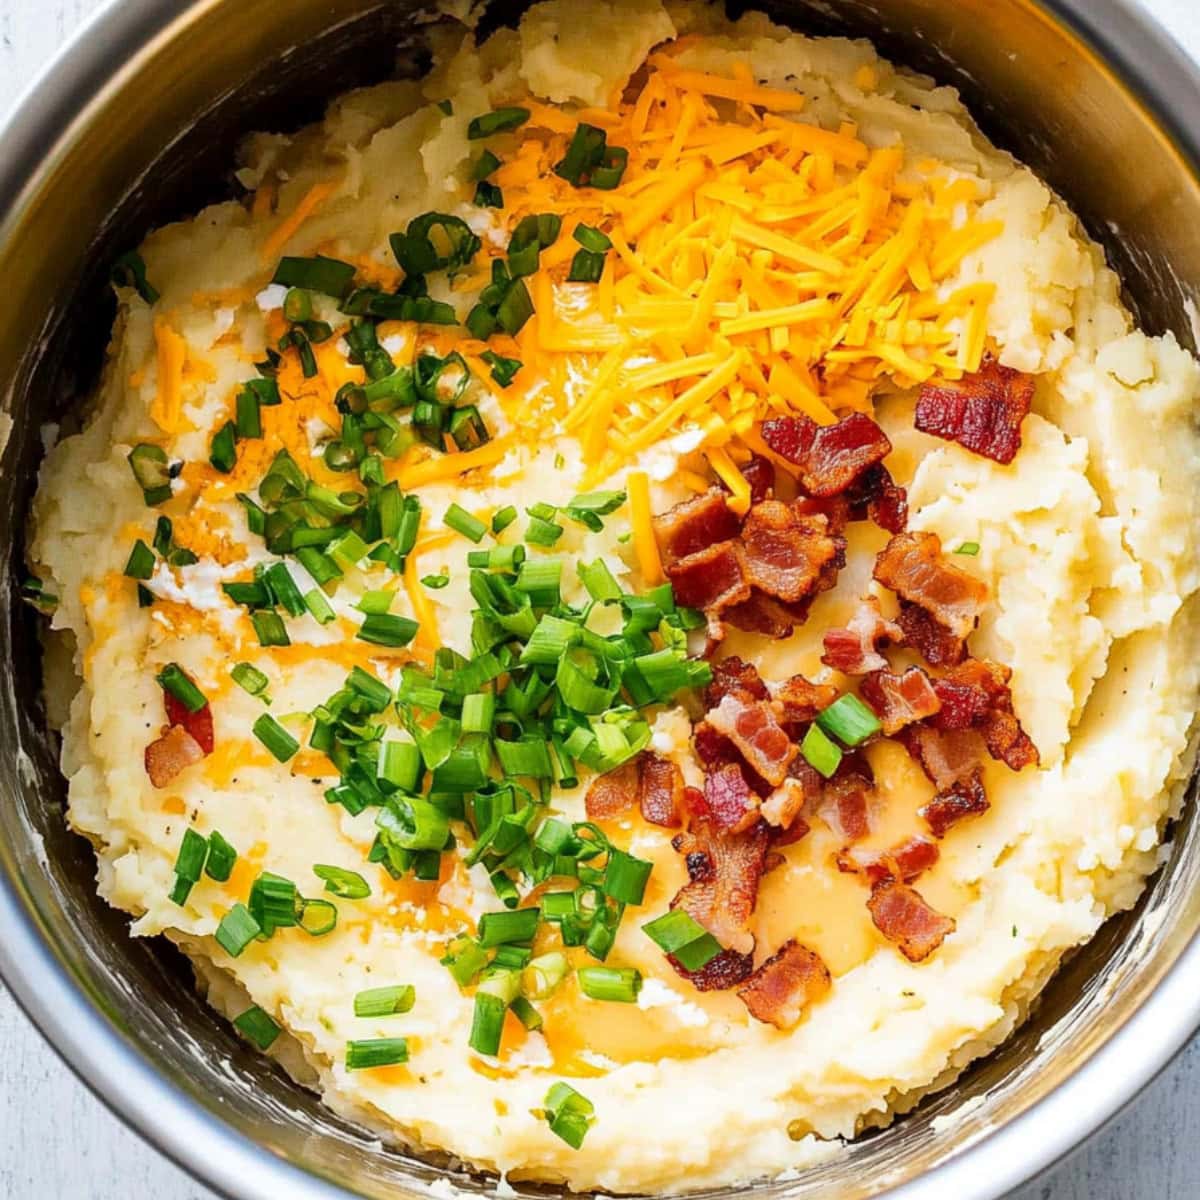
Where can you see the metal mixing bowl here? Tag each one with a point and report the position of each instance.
(135, 124)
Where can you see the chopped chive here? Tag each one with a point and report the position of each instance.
(141, 561)
(819, 752)
(270, 628)
(379, 600)
(591, 238)
(544, 973)
(318, 606)
(461, 521)
(130, 271)
(221, 857)
(273, 902)
(376, 1052)
(619, 984)
(350, 885)
(399, 766)
(258, 1026)
(247, 418)
(222, 452)
(503, 518)
(189, 864)
(329, 276)
(465, 958)
(446, 107)
(849, 720)
(569, 1114)
(598, 580)
(317, 917)
(500, 120)
(276, 739)
(478, 712)
(436, 582)
(502, 558)
(586, 267)
(625, 877)
(685, 939)
(503, 369)
(385, 629)
(541, 532)
(487, 1023)
(487, 195)
(385, 1001)
(152, 471)
(250, 679)
(968, 548)
(512, 925)
(172, 678)
(237, 930)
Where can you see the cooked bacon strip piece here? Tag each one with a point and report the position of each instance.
(766, 615)
(854, 649)
(614, 792)
(932, 641)
(982, 411)
(166, 756)
(722, 972)
(715, 750)
(759, 473)
(710, 579)
(694, 525)
(732, 674)
(730, 801)
(912, 565)
(899, 700)
(846, 804)
(875, 494)
(199, 723)
(947, 758)
(976, 695)
(830, 457)
(965, 798)
(797, 701)
(803, 788)
(751, 725)
(902, 915)
(905, 861)
(723, 870)
(791, 980)
(660, 790)
(786, 550)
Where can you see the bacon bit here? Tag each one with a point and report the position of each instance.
(751, 725)
(168, 755)
(947, 758)
(797, 701)
(791, 980)
(782, 808)
(854, 649)
(846, 806)
(932, 641)
(830, 457)
(613, 793)
(905, 861)
(711, 579)
(899, 700)
(976, 695)
(732, 674)
(715, 750)
(199, 723)
(912, 565)
(759, 473)
(693, 526)
(982, 411)
(722, 972)
(902, 915)
(730, 801)
(660, 791)
(875, 494)
(959, 801)
(723, 870)
(785, 550)
(766, 615)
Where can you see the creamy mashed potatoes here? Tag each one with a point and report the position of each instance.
(800, 229)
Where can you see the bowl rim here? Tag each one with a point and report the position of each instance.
(1166, 79)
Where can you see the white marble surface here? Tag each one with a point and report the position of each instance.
(57, 1142)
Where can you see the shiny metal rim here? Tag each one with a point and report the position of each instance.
(1168, 82)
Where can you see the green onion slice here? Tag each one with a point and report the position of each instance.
(276, 739)
(849, 720)
(258, 1026)
(619, 984)
(350, 885)
(569, 1114)
(819, 752)
(385, 1001)
(376, 1052)
(329, 276)
(500, 120)
(237, 930)
(172, 678)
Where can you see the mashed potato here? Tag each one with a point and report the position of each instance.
(1085, 542)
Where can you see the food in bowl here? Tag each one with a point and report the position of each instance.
(630, 601)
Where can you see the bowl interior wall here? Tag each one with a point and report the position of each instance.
(1051, 103)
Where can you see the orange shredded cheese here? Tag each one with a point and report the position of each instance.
(644, 542)
(288, 227)
(166, 410)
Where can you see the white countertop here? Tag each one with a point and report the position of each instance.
(57, 1142)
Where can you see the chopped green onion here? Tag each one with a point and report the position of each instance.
(465, 958)
(849, 720)
(484, 165)
(819, 752)
(386, 629)
(376, 1052)
(487, 1023)
(685, 939)
(436, 582)
(173, 679)
(189, 864)
(569, 1114)
(317, 917)
(130, 271)
(247, 417)
(544, 973)
(526, 1013)
(141, 561)
(540, 581)
(270, 628)
(968, 548)
(488, 195)
(502, 558)
(221, 857)
(461, 521)
(385, 1001)
(434, 242)
(600, 503)
(152, 472)
(500, 120)
(526, 756)
(503, 369)
(283, 587)
(276, 739)
(399, 766)
(625, 877)
(620, 984)
(273, 902)
(503, 518)
(513, 925)
(318, 606)
(297, 305)
(599, 581)
(258, 1026)
(329, 276)
(591, 238)
(590, 161)
(541, 532)
(350, 885)
(446, 107)
(223, 450)
(586, 267)
(250, 679)
(478, 712)
(237, 930)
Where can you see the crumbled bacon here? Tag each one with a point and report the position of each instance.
(693, 526)
(797, 701)
(830, 457)
(847, 802)
(982, 411)
(855, 649)
(947, 758)
(722, 972)
(613, 793)
(932, 641)
(723, 870)
(766, 615)
(759, 473)
(875, 494)
(653, 783)
(751, 725)
(912, 565)
(730, 801)
(733, 675)
(962, 799)
(785, 551)
(781, 809)
(166, 756)
(899, 700)
(199, 723)
(791, 980)
(906, 861)
(903, 916)
(711, 579)
(976, 695)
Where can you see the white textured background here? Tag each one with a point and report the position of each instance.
(58, 1143)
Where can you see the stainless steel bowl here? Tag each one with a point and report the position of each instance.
(135, 124)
